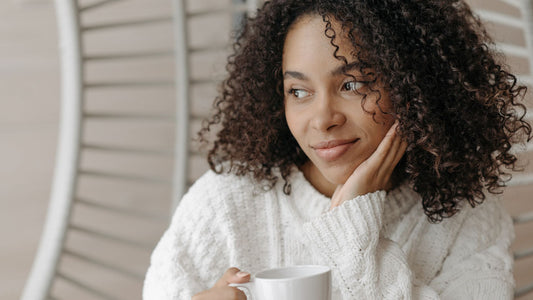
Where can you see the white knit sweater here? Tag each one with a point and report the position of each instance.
(379, 245)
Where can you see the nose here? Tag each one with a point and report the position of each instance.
(327, 113)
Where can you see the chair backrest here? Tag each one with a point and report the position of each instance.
(137, 77)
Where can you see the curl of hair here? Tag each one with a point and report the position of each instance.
(457, 106)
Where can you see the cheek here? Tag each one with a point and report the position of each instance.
(379, 133)
(375, 127)
(376, 132)
(292, 122)
(380, 108)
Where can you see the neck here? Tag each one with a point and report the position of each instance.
(317, 180)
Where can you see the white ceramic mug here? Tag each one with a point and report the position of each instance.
(305, 282)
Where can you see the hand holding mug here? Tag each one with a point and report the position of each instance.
(222, 291)
(301, 282)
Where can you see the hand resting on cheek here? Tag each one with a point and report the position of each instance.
(375, 172)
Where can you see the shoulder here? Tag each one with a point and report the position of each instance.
(213, 186)
(489, 216)
(482, 224)
(486, 223)
(212, 193)
(470, 230)
(475, 235)
(486, 226)
(211, 183)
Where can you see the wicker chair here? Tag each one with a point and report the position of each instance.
(136, 80)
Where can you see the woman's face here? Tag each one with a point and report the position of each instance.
(323, 112)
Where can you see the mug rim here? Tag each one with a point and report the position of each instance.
(323, 269)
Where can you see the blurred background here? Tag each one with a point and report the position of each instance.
(130, 103)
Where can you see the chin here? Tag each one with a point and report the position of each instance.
(337, 175)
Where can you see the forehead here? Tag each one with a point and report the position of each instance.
(309, 39)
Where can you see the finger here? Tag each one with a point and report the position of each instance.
(363, 178)
(223, 281)
(336, 195)
(388, 163)
(238, 294)
(397, 154)
(221, 293)
(384, 147)
(232, 275)
(232, 293)
(374, 162)
(402, 147)
(401, 152)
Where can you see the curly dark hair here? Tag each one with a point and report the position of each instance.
(457, 106)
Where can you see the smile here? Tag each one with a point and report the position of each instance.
(332, 150)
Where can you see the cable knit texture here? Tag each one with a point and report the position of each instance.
(379, 245)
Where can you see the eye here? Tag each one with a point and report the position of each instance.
(353, 85)
(299, 93)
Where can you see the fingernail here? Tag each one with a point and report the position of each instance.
(242, 274)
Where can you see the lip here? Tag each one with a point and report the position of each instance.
(333, 149)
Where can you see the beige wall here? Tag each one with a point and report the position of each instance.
(29, 110)
(29, 114)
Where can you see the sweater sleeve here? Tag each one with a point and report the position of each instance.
(369, 266)
(192, 251)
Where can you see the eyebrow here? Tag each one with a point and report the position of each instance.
(295, 74)
(341, 70)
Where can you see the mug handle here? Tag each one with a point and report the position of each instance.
(248, 286)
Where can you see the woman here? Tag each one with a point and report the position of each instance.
(369, 136)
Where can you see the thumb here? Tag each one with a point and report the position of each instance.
(233, 275)
(335, 198)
